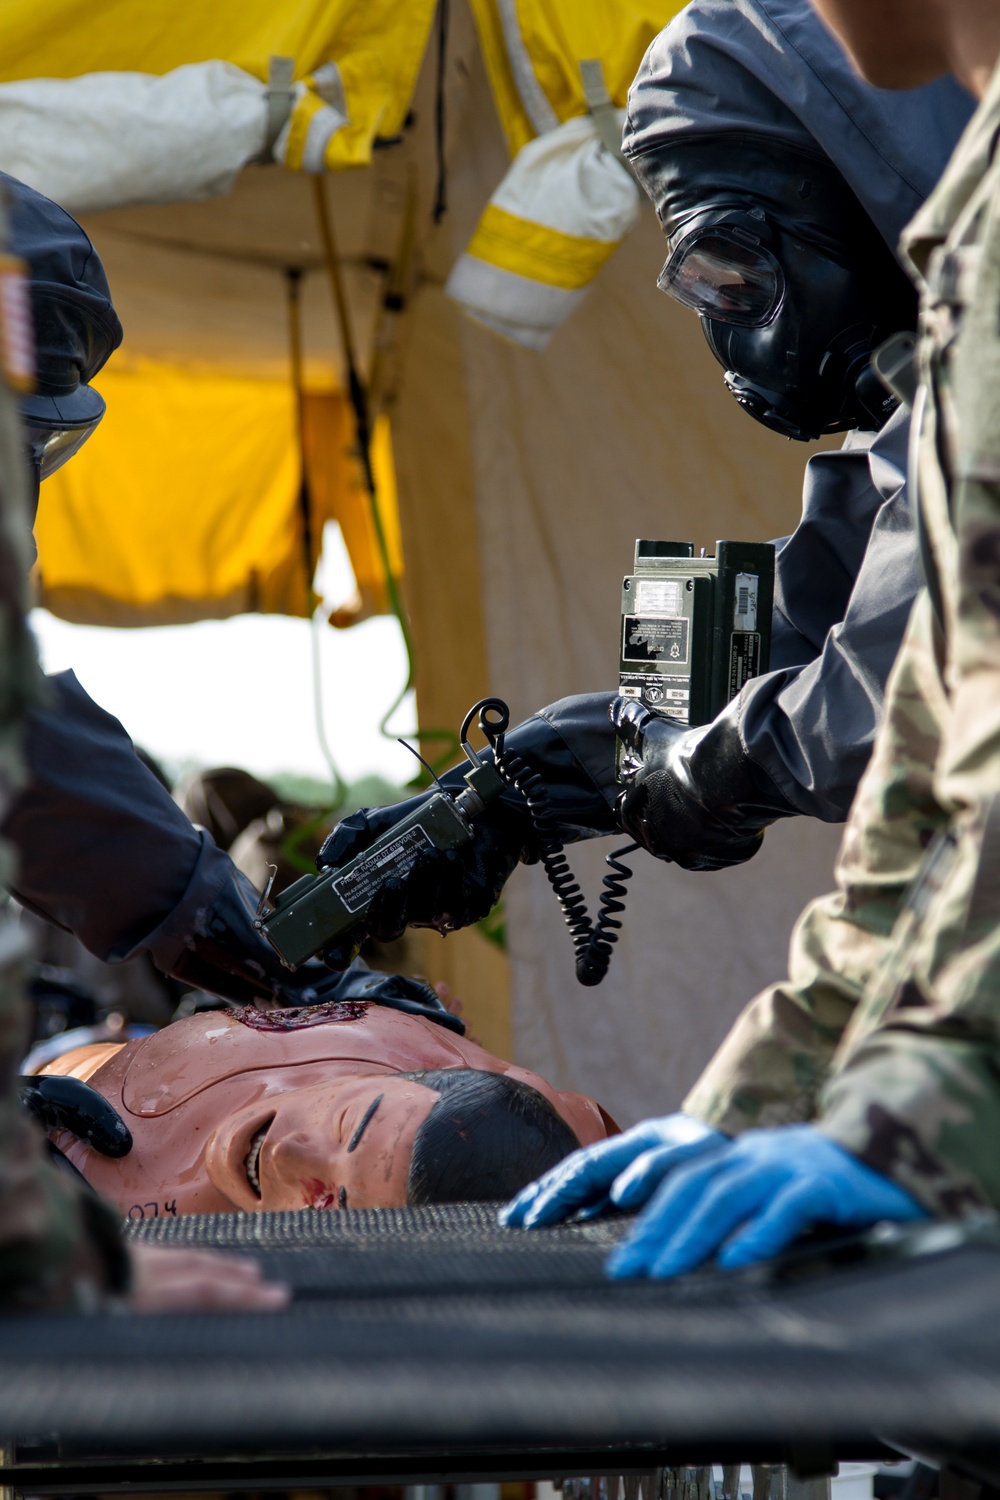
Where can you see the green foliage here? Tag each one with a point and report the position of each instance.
(494, 927)
(310, 791)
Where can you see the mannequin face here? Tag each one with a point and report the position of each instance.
(278, 1110)
(344, 1144)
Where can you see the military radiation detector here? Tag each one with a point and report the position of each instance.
(317, 909)
(695, 629)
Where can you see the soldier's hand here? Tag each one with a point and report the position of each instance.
(59, 1103)
(456, 887)
(752, 1198)
(623, 1171)
(443, 888)
(168, 1278)
(692, 796)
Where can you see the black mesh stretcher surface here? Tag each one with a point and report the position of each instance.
(429, 1341)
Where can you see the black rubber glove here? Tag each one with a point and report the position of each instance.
(227, 956)
(68, 1104)
(454, 888)
(693, 796)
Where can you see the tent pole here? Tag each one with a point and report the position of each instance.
(293, 280)
(392, 308)
(359, 401)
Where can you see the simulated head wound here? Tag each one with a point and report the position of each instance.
(783, 182)
(76, 326)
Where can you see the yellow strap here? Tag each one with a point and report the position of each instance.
(541, 254)
(303, 113)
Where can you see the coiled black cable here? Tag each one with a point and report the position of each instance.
(592, 941)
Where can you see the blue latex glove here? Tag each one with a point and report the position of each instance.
(625, 1171)
(752, 1198)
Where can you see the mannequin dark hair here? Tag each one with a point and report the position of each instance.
(486, 1137)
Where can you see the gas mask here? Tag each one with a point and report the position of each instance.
(54, 430)
(794, 286)
(73, 338)
(50, 446)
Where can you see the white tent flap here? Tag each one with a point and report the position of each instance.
(111, 140)
(562, 208)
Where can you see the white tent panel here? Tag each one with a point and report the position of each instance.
(621, 428)
(111, 140)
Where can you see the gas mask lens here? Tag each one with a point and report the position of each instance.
(51, 447)
(720, 275)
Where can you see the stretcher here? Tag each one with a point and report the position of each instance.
(428, 1345)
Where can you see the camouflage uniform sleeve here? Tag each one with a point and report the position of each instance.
(772, 1066)
(60, 1246)
(915, 1090)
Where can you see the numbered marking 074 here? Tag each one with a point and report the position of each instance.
(152, 1210)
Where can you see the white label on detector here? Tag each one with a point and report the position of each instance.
(398, 857)
(659, 596)
(745, 612)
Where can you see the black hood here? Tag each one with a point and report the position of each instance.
(771, 70)
(76, 326)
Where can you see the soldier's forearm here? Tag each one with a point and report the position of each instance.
(771, 1067)
(773, 1063)
(103, 850)
(923, 1109)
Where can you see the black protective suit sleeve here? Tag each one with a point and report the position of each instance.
(846, 582)
(797, 739)
(103, 850)
(106, 853)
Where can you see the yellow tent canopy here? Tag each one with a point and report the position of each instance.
(186, 503)
(377, 46)
(533, 50)
(225, 534)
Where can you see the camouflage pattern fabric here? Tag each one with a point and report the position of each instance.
(887, 1033)
(773, 1064)
(59, 1246)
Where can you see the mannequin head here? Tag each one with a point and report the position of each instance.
(443, 1135)
(345, 1105)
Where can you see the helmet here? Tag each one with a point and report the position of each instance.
(76, 326)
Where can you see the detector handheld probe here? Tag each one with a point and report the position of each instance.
(318, 909)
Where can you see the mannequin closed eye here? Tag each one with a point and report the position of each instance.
(355, 1140)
